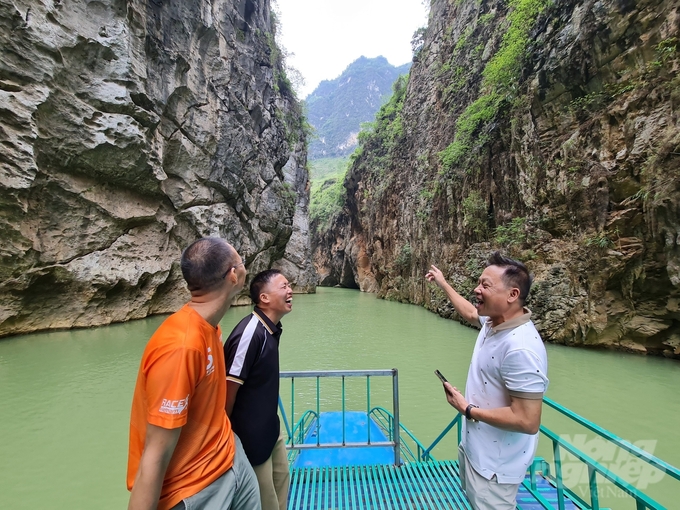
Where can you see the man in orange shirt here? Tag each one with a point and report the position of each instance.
(183, 453)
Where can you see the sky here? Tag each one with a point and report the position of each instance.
(325, 36)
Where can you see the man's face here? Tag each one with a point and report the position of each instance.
(235, 275)
(278, 295)
(492, 294)
(241, 272)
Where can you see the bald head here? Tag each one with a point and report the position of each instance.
(206, 262)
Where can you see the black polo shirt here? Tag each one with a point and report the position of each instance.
(251, 354)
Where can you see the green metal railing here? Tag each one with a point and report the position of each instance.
(384, 419)
(310, 418)
(559, 444)
(299, 430)
(642, 501)
(456, 421)
(406, 445)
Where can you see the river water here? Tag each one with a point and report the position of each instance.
(66, 396)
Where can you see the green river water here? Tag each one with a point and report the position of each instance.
(66, 396)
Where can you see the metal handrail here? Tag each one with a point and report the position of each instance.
(621, 443)
(642, 500)
(395, 439)
(394, 429)
(301, 427)
(455, 421)
(379, 414)
(337, 373)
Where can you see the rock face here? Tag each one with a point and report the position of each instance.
(129, 129)
(549, 130)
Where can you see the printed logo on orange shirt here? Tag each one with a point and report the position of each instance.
(174, 406)
(209, 369)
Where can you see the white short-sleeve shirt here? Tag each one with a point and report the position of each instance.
(507, 360)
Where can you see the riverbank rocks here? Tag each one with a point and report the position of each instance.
(548, 130)
(129, 129)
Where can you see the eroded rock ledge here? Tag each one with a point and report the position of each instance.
(128, 129)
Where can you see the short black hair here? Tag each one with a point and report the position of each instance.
(261, 279)
(516, 274)
(205, 261)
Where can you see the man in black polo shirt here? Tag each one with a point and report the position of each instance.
(252, 359)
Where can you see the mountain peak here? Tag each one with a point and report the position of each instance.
(337, 108)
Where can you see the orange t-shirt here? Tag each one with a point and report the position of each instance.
(181, 383)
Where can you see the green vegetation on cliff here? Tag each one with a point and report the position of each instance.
(324, 168)
(327, 199)
(385, 132)
(327, 194)
(500, 80)
(548, 130)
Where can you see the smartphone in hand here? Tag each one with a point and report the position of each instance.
(441, 377)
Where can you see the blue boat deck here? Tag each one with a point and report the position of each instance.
(527, 501)
(330, 431)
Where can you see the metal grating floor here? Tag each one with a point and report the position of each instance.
(525, 501)
(418, 486)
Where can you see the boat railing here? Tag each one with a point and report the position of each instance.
(426, 455)
(560, 445)
(303, 425)
(311, 418)
(412, 450)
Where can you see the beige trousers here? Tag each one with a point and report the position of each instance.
(273, 477)
(485, 494)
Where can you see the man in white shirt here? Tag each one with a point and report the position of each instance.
(505, 384)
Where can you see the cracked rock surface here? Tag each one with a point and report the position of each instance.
(127, 130)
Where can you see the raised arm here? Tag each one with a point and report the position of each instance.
(466, 309)
(159, 446)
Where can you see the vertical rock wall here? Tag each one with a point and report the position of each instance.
(549, 130)
(129, 129)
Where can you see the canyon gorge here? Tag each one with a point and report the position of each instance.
(548, 130)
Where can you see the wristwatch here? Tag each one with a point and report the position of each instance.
(467, 412)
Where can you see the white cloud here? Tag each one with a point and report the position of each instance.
(326, 36)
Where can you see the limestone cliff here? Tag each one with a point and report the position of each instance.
(129, 129)
(549, 130)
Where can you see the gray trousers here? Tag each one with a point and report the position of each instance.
(236, 489)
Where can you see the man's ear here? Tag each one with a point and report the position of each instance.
(514, 295)
(233, 277)
(264, 298)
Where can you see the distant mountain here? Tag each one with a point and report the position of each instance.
(337, 107)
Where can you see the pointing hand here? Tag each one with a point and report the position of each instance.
(436, 276)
